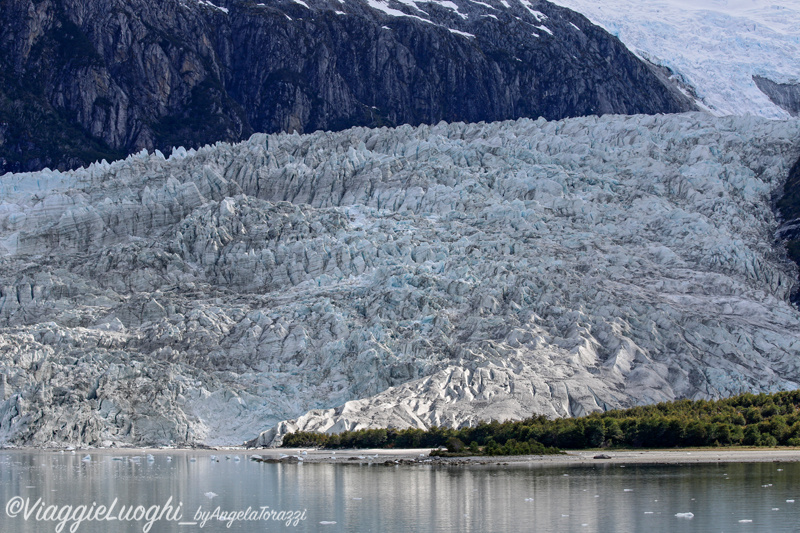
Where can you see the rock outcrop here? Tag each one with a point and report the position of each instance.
(82, 80)
(412, 276)
(785, 95)
(788, 233)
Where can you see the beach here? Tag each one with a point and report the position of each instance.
(570, 458)
(421, 456)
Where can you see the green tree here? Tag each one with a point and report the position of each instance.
(594, 433)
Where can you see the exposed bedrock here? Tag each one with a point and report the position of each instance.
(83, 80)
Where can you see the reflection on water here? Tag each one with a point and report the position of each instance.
(363, 498)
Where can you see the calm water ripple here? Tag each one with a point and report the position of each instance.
(375, 498)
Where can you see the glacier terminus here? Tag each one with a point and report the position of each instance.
(407, 277)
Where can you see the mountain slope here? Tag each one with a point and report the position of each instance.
(413, 276)
(84, 79)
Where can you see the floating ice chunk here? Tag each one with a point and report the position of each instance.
(211, 495)
(327, 523)
(789, 501)
(745, 521)
(528, 499)
(684, 515)
(627, 490)
(150, 458)
(87, 459)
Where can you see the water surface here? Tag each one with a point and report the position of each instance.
(377, 498)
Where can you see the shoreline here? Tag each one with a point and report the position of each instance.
(570, 458)
(420, 456)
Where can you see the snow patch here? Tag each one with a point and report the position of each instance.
(383, 7)
(484, 4)
(538, 15)
(209, 4)
(462, 33)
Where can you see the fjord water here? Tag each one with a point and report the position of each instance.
(378, 498)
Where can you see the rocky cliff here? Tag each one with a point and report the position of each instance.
(411, 276)
(82, 80)
(788, 206)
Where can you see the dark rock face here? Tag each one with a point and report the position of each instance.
(785, 95)
(83, 79)
(789, 208)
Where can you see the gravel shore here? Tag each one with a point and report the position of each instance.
(583, 457)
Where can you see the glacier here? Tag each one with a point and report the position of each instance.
(408, 277)
(714, 48)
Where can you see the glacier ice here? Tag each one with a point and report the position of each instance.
(395, 277)
(715, 47)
